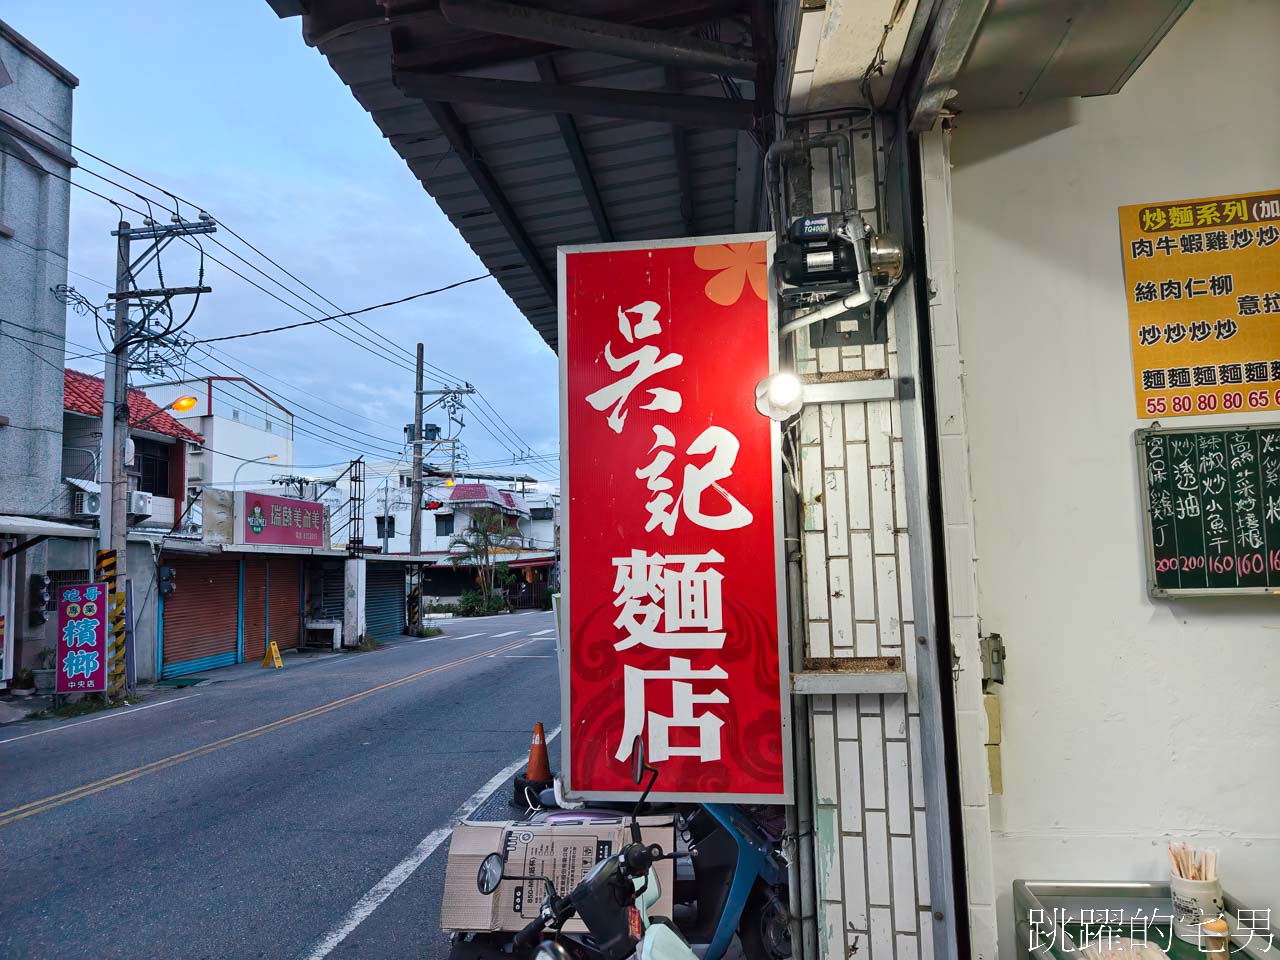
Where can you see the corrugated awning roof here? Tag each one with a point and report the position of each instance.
(32, 527)
(528, 145)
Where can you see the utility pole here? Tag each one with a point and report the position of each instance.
(113, 535)
(386, 518)
(415, 510)
(415, 518)
(116, 371)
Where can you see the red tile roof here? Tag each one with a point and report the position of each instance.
(487, 493)
(82, 393)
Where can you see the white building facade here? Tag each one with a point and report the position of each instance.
(248, 433)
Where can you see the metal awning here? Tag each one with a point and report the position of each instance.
(281, 550)
(962, 55)
(532, 128)
(31, 527)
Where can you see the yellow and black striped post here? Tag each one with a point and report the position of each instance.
(415, 615)
(105, 571)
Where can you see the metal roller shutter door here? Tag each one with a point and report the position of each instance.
(284, 601)
(384, 600)
(255, 607)
(200, 617)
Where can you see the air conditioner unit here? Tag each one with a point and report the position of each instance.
(85, 504)
(139, 503)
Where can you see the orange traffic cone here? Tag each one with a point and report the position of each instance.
(539, 763)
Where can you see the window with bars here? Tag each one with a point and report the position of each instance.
(63, 578)
(151, 461)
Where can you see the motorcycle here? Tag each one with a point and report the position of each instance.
(737, 879)
(729, 879)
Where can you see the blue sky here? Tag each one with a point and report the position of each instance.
(234, 112)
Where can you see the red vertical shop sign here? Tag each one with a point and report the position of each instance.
(672, 540)
(82, 638)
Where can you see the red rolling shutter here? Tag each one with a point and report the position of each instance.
(200, 615)
(255, 606)
(284, 601)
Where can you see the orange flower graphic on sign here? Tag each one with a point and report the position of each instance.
(735, 264)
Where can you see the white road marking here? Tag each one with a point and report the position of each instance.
(528, 656)
(516, 647)
(469, 636)
(509, 633)
(403, 870)
(105, 716)
(539, 633)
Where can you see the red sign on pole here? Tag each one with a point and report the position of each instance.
(672, 541)
(83, 612)
(280, 521)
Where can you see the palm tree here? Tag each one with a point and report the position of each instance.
(480, 543)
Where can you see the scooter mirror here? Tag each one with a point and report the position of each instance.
(637, 760)
(490, 874)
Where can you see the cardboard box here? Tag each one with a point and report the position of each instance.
(564, 851)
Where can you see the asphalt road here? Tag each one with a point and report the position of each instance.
(275, 814)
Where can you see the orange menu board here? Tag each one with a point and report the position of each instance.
(1202, 280)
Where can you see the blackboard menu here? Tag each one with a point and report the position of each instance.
(1212, 503)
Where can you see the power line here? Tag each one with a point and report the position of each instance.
(347, 443)
(485, 420)
(292, 386)
(216, 359)
(149, 214)
(47, 346)
(241, 360)
(352, 313)
(503, 426)
(178, 199)
(54, 263)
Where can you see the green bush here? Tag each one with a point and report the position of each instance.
(474, 604)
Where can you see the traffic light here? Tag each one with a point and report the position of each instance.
(433, 505)
(168, 581)
(39, 605)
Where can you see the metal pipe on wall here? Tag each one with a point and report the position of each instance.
(800, 870)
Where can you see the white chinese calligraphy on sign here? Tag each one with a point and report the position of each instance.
(650, 587)
(646, 362)
(664, 509)
(683, 699)
(677, 594)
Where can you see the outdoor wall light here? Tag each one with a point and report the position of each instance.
(779, 396)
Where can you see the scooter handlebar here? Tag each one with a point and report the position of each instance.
(529, 935)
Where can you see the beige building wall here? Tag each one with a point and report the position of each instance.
(1126, 720)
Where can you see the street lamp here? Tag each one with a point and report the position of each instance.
(235, 477)
(181, 404)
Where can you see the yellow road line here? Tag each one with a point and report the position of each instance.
(97, 786)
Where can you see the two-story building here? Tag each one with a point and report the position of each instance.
(34, 224)
(248, 433)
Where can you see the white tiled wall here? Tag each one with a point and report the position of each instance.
(871, 852)
(868, 786)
